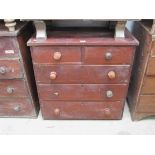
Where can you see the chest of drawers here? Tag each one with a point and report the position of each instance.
(141, 96)
(18, 95)
(82, 74)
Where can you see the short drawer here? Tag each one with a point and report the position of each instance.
(16, 107)
(77, 74)
(81, 110)
(146, 103)
(56, 55)
(108, 55)
(150, 67)
(85, 92)
(148, 86)
(13, 88)
(8, 47)
(10, 69)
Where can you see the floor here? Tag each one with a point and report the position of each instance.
(40, 126)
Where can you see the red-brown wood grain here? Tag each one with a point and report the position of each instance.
(17, 108)
(18, 86)
(81, 92)
(69, 55)
(81, 74)
(81, 110)
(97, 55)
(12, 67)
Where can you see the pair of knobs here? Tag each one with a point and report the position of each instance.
(57, 56)
(111, 75)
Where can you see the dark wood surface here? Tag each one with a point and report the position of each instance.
(17, 98)
(81, 110)
(141, 90)
(72, 92)
(81, 74)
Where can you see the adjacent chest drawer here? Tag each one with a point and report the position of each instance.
(16, 107)
(146, 103)
(13, 88)
(148, 86)
(8, 47)
(10, 69)
(108, 55)
(150, 67)
(81, 110)
(81, 74)
(56, 55)
(82, 92)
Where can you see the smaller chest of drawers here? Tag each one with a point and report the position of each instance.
(18, 95)
(141, 96)
(82, 75)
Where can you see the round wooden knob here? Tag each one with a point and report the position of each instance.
(17, 108)
(53, 75)
(112, 75)
(107, 111)
(57, 56)
(57, 111)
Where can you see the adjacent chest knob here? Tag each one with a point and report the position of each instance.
(112, 75)
(57, 111)
(17, 108)
(108, 56)
(10, 90)
(109, 94)
(2, 70)
(53, 75)
(57, 56)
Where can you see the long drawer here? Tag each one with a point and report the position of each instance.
(13, 88)
(77, 74)
(16, 107)
(81, 110)
(146, 103)
(74, 92)
(10, 69)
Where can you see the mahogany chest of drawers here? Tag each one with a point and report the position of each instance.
(82, 74)
(141, 96)
(18, 96)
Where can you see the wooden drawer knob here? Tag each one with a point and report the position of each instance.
(57, 111)
(109, 94)
(53, 75)
(10, 90)
(2, 70)
(57, 56)
(108, 56)
(112, 75)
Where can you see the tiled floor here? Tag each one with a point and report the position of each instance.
(40, 126)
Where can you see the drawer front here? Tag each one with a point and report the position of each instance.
(153, 49)
(10, 69)
(108, 55)
(56, 55)
(146, 103)
(82, 92)
(148, 86)
(81, 110)
(77, 74)
(13, 88)
(16, 107)
(150, 67)
(8, 47)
